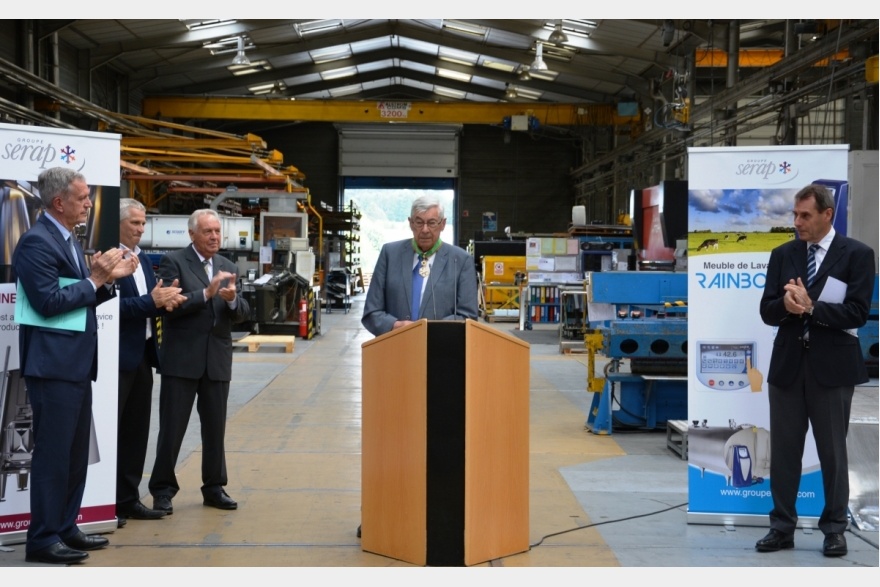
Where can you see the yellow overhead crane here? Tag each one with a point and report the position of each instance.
(193, 160)
(220, 107)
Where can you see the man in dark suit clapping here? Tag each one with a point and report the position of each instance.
(196, 359)
(59, 365)
(141, 300)
(818, 292)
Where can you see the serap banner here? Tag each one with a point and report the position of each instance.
(26, 151)
(740, 203)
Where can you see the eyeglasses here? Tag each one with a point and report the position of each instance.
(432, 224)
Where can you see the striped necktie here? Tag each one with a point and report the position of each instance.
(811, 276)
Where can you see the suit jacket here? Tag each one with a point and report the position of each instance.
(835, 355)
(134, 310)
(449, 294)
(197, 336)
(41, 257)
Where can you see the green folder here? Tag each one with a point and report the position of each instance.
(26, 314)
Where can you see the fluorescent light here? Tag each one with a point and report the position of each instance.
(573, 27)
(498, 65)
(546, 74)
(453, 56)
(338, 73)
(455, 75)
(449, 92)
(345, 90)
(254, 67)
(528, 93)
(330, 54)
(318, 26)
(195, 25)
(464, 27)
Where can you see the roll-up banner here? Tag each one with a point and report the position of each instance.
(25, 151)
(740, 203)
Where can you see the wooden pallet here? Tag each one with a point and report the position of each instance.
(255, 341)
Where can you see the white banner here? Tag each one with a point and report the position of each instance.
(740, 204)
(25, 151)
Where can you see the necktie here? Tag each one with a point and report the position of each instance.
(417, 280)
(75, 255)
(207, 266)
(811, 276)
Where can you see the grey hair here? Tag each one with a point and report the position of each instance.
(125, 206)
(55, 183)
(823, 196)
(193, 223)
(425, 203)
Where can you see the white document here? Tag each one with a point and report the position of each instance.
(834, 292)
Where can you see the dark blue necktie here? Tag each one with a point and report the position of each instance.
(416, 292)
(76, 262)
(811, 276)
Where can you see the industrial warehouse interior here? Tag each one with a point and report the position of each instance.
(581, 163)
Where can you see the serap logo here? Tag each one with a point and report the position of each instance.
(42, 152)
(767, 170)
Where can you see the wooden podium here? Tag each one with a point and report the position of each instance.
(445, 465)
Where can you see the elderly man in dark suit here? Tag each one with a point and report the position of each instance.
(59, 365)
(196, 359)
(818, 292)
(421, 277)
(141, 300)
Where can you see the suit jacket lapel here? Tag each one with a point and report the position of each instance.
(406, 270)
(832, 255)
(63, 243)
(196, 266)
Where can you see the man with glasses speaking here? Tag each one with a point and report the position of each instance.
(421, 277)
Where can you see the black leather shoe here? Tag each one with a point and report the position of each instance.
(773, 541)
(57, 554)
(163, 504)
(359, 531)
(220, 500)
(834, 545)
(120, 522)
(138, 511)
(82, 541)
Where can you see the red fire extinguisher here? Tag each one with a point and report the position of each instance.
(303, 318)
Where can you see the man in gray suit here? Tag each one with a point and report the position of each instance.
(421, 277)
(196, 359)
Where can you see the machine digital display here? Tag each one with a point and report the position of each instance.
(724, 365)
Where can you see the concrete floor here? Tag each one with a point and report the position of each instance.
(293, 456)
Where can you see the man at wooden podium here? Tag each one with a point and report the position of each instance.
(422, 277)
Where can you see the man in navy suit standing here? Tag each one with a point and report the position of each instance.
(141, 300)
(818, 292)
(59, 365)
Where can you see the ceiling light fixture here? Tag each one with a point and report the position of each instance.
(510, 94)
(558, 36)
(240, 58)
(538, 64)
(524, 74)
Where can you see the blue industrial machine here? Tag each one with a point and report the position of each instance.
(648, 330)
